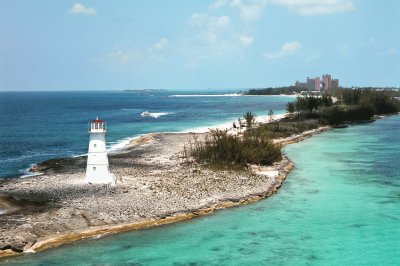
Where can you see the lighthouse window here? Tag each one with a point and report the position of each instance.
(95, 145)
(94, 168)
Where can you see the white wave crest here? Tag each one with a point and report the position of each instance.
(119, 145)
(27, 173)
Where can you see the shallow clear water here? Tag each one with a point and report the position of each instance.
(339, 206)
(35, 126)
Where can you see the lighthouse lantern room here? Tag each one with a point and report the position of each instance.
(97, 171)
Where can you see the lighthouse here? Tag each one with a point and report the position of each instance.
(97, 162)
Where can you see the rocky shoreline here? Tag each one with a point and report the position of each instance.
(156, 185)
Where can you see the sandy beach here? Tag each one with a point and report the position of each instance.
(156, 185)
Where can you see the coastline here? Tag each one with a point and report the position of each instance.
(231, 95)
(120, 228)
(269, 182)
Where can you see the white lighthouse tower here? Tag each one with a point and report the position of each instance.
(97, 162)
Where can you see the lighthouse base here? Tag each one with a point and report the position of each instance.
(108, 179)
(99, 174)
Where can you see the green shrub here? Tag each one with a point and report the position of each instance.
(381, 102)
(283, 128)
(359, 113)
(338, 114)
(220, 148)
(333, 116)
(260, 151)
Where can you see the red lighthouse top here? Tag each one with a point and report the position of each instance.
(97, 120)
(97, 126)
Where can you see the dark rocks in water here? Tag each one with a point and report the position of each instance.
(60, 165)
(365, 121)
(340, 126)
(354, 123)
(360, 121)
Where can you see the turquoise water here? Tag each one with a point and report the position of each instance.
(339, 206)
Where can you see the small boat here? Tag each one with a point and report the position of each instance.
(145, 113)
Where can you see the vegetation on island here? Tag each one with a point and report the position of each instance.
(222, 150)
(254, 145)
(283, 128)
(276, 91)
(288, 90)
(351, 105)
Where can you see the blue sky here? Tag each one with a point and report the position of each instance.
(183, 45)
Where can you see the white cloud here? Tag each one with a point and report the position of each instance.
(212, 38)
(250, 11)
(157, 49)
(219, 3)
(246, 40)
(316, 7)
(123, 56)
(287, 49)
(79, 8)
(210, 29)
(204, 20)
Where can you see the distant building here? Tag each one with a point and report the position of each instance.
(334, 84)
(312, 84)
(299, 84)
(326, 81)
(317, 84)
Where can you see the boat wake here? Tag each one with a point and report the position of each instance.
(154, 115)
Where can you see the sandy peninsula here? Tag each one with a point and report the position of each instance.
(156, 185)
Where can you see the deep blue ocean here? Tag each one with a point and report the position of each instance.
(35, 126)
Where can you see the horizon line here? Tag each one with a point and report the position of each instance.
(247, 88)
